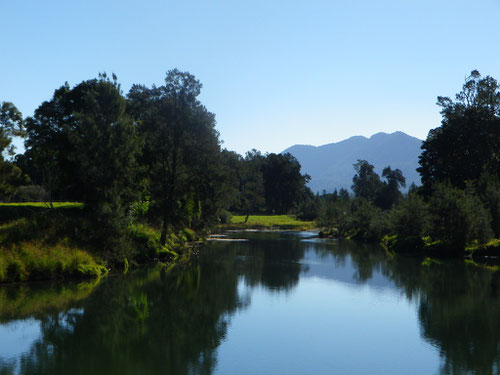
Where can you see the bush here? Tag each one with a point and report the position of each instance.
(189, 234)
(336, 215)
(458, 217)
(225, 217)
(371, 222)
(411, 218)
(30, 193)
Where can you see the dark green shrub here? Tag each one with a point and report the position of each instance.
(411, 219)
(458, 217)
(225, 217)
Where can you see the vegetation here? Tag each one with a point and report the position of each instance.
(24, 301)
(456, 209)
(146, 169)
(149, 174)
(43, 204)
(268, 221)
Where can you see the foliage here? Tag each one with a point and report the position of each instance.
(369, 221)
(457, 217)
(488, 190)
(411, 217)
(468, 140)
(11, 125)
(366, 183)
(336, 213)
(34, 261)
(283, 182)
(389, 194)
(85, 145)
(181, 150)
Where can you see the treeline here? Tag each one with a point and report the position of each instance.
(152, 156)
(458, 205)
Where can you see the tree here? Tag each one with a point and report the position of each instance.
(47, 146)
(252, 183)
(468, 141)
(366, 183)
(458, 217)
(86, 142)
(283, 182)
(389, 194)
(11, 125)
(181, 150)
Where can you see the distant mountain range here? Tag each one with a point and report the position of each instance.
(331, 166)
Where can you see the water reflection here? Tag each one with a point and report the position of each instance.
(154, 321)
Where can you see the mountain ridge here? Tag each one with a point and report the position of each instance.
(331, 165)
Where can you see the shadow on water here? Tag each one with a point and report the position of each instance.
(153, 321)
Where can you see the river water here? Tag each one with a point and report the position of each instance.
(269, 303)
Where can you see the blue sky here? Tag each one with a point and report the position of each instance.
(275, 73)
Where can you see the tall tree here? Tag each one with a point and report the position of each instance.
(389, 194)
(252, 183)
(283, 182)
(468, 141)
(11, 125)
(366, 183)
(181, 149)
(87, 142)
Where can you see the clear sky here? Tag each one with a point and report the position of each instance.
(275, 73)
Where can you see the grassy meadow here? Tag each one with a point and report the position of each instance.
(268, 222)
(43, 204)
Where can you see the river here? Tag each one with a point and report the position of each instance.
(267, 303)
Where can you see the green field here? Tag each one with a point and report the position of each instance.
(43, 204)
(268, 221)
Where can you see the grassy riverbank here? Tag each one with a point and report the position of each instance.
(42, 243)
(267, 222)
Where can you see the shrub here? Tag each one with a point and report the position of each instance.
(458, 217)
(190, 234)
(371, 222)
(225, 217)
(411, 218)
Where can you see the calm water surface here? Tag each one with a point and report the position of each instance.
(277, 303)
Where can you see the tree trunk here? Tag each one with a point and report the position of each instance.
(164, 232)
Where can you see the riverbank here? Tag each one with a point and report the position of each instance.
(281, 222)
(42, 243)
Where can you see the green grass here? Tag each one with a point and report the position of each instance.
(491, 248)
(268, 221)
(43, 204)
(32, 249)
(38, 261)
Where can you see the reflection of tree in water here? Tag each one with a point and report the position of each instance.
(458, 309)
(150, 323)
(173, 322)
(458, 304)
(271, 262)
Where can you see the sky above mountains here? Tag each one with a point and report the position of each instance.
(275, 73)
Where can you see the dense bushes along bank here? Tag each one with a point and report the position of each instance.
(39, 243)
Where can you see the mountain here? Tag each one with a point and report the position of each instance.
(331, 166)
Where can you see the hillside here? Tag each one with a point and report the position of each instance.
(331, 166)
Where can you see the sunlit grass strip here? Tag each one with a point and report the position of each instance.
(271, 221)
(43, 204)
(38, 261)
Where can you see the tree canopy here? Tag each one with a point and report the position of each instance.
(468, 141)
